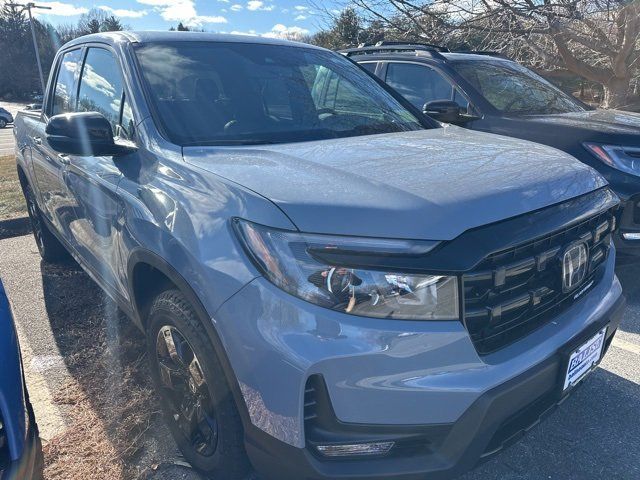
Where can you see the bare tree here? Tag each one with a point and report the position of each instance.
(596, 39)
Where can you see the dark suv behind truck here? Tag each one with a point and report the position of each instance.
(486, 92)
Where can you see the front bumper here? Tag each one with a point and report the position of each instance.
(417, 380)
(497, 419)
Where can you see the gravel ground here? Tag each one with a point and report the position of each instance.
(594, 435)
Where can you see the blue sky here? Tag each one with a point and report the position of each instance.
(268, 17)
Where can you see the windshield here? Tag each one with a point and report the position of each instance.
(208, 93)
(514, 89)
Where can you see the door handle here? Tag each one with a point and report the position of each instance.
(37, 140)
(64, 159)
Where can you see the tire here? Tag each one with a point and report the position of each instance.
(3, 123)
(51, 250)
(172, 321)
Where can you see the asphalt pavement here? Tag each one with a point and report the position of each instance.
(7, 141)
(594, 435)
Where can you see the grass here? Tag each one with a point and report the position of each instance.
(114, 418)
(11, 200)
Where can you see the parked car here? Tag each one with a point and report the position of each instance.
(5, 117)
(332, 285)
(33, 106)
(20, 447)
(486, 92)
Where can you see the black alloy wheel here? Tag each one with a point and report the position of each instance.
(193, 390)
(187, 391)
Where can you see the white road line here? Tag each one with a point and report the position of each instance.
(628, 346)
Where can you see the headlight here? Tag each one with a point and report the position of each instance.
(625, 159)
(301, 265)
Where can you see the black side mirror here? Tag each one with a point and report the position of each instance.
(84, 133)
(446, 111)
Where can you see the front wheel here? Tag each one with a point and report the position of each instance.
(194, 394)
(50, 248)
(3, 123)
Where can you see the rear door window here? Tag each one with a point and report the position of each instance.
(64, 94)
(370, 66)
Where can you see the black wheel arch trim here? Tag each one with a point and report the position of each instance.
(143, 256)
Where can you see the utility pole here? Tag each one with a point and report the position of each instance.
(28, 7)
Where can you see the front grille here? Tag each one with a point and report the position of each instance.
(513, 292)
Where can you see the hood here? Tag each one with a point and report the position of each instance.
(601, 122)
(428, 184)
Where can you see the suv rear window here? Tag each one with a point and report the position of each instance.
(207, 93)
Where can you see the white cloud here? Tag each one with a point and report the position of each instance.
(248, 32)
(236, 7)
(255, 5)
(299, 18)
(301, 8)
(290, 33)
(59, 9)
(121, 12)
(182, 11)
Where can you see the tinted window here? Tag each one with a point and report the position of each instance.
(419, 84)
(338, 95)
(101, 85)
(512, 88)
(64, 95)
(370, 66)
(235, 93)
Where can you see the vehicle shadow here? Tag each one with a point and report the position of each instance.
(112, 403)
(14, 227)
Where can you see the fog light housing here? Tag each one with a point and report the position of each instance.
(355, 449)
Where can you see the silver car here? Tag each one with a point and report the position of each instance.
(5, 117)
(331, 284)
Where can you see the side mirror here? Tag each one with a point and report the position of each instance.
(84, 133)
(446, 111)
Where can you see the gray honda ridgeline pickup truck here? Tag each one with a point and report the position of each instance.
(331, 284)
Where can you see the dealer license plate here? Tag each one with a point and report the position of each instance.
(584, 359)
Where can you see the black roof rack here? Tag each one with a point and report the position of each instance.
(387, 43)
(382, 47)
(488, 53)
(434, 51)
